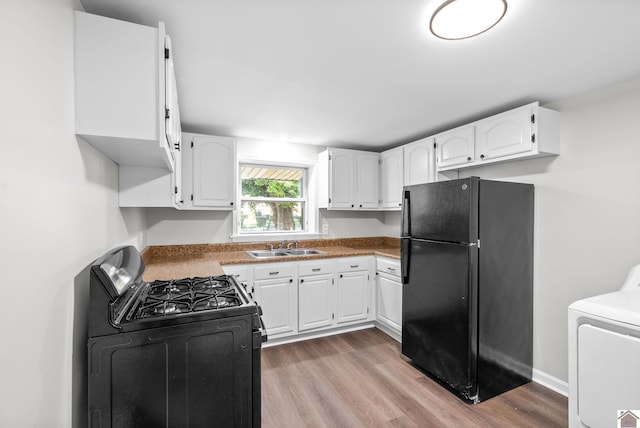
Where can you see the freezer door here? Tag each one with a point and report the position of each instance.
(439, 332)
(442, 211)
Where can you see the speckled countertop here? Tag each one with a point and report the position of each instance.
(184, 261)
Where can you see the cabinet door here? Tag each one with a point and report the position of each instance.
(214, 171)
(277, 299)
(389, 302)
(455, 147)
(316, 302)
(353, 296)
(504, 134)
(367, 189)
(341, 178)
(172, 127)
(391, 180)
(419, 162)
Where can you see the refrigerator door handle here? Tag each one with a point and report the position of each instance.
(405, 252)
(406, 213)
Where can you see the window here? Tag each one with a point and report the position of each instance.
(273, 199)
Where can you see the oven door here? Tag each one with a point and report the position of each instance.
(189, 375)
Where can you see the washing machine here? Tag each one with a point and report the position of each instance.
(604, 357)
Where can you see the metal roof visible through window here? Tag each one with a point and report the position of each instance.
(266, 173)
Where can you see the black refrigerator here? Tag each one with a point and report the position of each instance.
(467, 294)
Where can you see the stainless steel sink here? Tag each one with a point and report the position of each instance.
(266, 254)
(263, 254)
(304, 251)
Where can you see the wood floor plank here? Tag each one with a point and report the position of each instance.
(361, 379)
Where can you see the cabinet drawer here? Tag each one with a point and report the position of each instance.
(273, 271)
(353, 264)
(391, 267)
(239, 272)
(315, 267)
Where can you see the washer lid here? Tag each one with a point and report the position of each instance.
(622, 306)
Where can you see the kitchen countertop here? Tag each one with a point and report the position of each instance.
(185, 261)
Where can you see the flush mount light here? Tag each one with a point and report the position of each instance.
(461, 19)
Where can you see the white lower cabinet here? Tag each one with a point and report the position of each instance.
(353, 290)
(389, 294)
(316, 294)
(276, 293)
(316, 299)
(243, 274)
(307, 296)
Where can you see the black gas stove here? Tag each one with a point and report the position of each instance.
(176, 353)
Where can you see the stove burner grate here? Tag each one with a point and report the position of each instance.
(164, 298)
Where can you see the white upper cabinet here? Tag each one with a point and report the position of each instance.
(121, 91)
(391, 178)
(455, 147)
(342, 178)
(368, 178)
(349, 179)
(505, 134)
(419, 162)
(209, 173)
(526, 132)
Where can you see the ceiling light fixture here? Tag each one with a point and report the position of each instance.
(461, 19)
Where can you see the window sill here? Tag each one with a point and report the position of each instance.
(259, 237)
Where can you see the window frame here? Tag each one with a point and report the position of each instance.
(304, 200)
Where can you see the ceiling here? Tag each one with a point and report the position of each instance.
(367, 73)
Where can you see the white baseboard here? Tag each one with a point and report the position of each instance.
(316, 334)
(553, 383)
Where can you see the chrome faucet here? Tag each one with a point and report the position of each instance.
(270, 247)
(281, 246)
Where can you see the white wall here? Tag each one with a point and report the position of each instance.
(58, 212)
(587, 215)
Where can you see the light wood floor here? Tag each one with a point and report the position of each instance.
(360, 379)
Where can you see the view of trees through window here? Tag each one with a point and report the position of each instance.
(273, 199)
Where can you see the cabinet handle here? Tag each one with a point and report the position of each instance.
(231, 203)
(340, 275)
(274, 273)
(315, 269)
(352, 205)
(391, 269)
(468, 158)
(301, 281)
(290, 279)
(481, 156)
(360, 205)
(354, 266)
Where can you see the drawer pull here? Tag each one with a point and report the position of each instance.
(274, 273)
(354, 266)
(391, 269)
(316, 269)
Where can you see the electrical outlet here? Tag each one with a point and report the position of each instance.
(325, 229)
